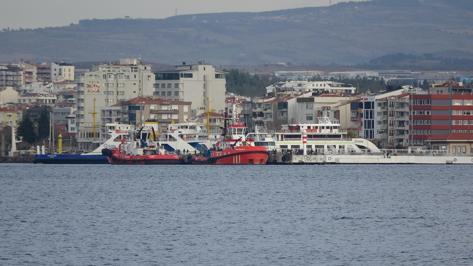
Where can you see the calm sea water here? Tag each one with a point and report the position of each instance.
(236, 215)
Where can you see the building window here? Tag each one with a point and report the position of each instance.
(176, 85)
(187, 75)
(176, 93)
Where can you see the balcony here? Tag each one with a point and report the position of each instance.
(164, 111)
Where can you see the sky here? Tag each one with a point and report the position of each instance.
(42, 13)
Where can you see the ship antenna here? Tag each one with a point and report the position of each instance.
(207, 121)
(225, 117)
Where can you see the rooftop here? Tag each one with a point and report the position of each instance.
(154, 100)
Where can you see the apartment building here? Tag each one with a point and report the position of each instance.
(11, 76)
(43, 73)
(385, 118)
(105, 86)
(308, 108)
(139, 110)
(62, 72)
(442, 118)
(200, 84)
(29, 73)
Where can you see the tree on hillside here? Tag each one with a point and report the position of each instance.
(43, 124)
(246, 84)
(26, 130)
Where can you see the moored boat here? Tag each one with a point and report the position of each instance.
(116, 132)
(240, 155)
(118, 156)
(235, 149)
(143, 148)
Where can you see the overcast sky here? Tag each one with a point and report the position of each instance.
(40, 13)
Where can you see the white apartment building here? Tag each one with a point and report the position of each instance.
(385, 118)
(106, 86)
(62, 72)
(199, 84)
(301, 86)
(306, 109)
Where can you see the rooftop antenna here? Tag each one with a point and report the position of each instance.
(175, 12)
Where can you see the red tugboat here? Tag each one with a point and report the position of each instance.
(235, 149)
(143, 151)
(117, 156)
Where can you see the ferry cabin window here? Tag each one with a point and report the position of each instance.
(265, 144)
(291, 136)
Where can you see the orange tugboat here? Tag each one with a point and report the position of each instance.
(241, 155)
(235, 149)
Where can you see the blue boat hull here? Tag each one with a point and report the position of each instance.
(70, 159)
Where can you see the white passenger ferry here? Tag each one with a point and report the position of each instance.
(325, 143)
(323, 137)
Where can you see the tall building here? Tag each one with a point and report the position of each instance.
(200, 84)
(106, 86)
(29, 73)
(43, 73)
(62, 72)
(385, 118)
(442, 118)
(11, 76)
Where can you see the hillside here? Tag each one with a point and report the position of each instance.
(343, 34)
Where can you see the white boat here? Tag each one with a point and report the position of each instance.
(189, 138)
(325, 143)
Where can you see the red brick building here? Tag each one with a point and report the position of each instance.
(443, 118)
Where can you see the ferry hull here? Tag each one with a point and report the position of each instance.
(381, 159)
(70, 159)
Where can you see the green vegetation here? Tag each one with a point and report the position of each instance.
(246, 84)
(26, 130)
(34, 126)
